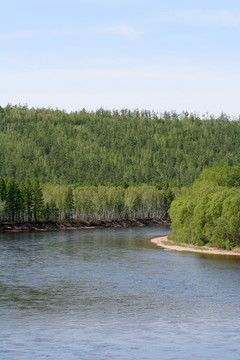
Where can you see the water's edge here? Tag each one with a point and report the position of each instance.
(167, 244)
(74, 225)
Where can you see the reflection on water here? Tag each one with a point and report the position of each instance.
(99, 294)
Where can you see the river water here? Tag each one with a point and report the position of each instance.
(111, 294)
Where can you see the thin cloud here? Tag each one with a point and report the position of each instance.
(119, 29)
(17, 35)
(203, 17)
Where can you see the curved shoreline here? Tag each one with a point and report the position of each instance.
(161, 241)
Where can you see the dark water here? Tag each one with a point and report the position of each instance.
(111, 294)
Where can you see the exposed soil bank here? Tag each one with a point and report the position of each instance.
(165, 243)
(73, 225)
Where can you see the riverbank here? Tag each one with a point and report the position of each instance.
(74, 225)
(167, 244)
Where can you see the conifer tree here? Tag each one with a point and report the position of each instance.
(18, 203)
(37, 200)
(27, 192)
(47, 212)
(10, 199)
(68, 203)
(54, 211)
(2, 189)
(51, 212)
(2, 198)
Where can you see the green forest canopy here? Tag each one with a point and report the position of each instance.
(209, 211)
(113, 147)
(119, 164)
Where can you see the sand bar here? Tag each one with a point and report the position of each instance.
(165, 243)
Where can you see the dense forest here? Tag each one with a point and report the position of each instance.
(113, 147)
(107, 164)
(208, 212)
(28, 201)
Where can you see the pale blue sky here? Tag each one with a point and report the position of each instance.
(146, 54)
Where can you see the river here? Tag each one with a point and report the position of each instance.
(111, 294)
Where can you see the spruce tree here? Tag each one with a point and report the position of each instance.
(10, 199)
(37, 200)
(68, 203)
(28, 199)
(2, 198)
(2, 189)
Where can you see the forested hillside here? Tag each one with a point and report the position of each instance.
(113, 147)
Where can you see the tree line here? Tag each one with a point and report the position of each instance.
(113, 147)
(30, 201)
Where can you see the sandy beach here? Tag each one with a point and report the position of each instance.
(165, 243)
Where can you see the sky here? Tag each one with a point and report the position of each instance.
(121, 54)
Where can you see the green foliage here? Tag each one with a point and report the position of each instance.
(20, 201)
(209, 211)
(14, 202)
(221, 176)
(27, 193)
(68, 203)
(37, 201)
(113, 147)
(107, 155)
(29, 201)
(2, 189)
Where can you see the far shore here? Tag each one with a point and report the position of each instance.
(77, 225)
(165, 243)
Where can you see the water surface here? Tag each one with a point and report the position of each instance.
(111, 294)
